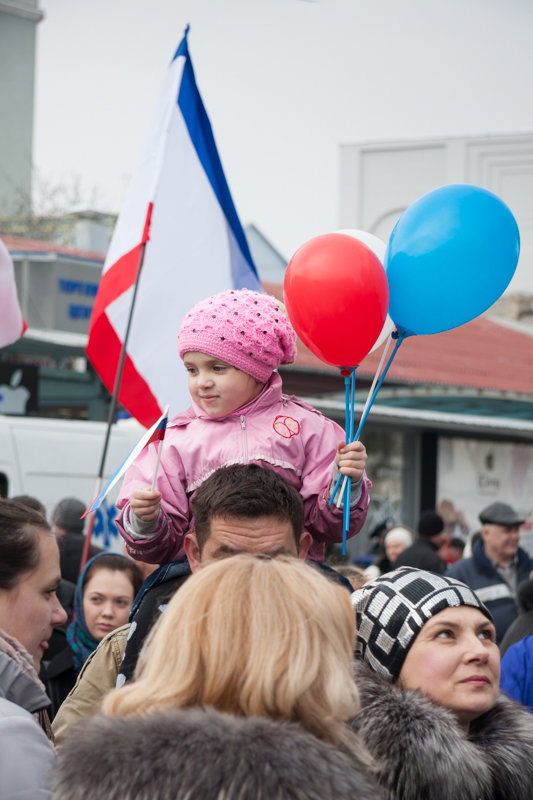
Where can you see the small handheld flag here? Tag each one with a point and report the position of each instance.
(154, 434)
(159, 434)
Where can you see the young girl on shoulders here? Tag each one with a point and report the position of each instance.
(231, 345)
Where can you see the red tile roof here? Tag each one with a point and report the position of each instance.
(21, 244)
(483, 354)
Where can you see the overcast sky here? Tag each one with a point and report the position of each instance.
(284, 83)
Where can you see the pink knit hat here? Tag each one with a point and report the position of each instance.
(246, 329)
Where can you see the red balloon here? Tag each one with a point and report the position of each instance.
(337, 297)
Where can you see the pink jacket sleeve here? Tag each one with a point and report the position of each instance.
(174, 521)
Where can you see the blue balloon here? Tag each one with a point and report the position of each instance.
(450, 257)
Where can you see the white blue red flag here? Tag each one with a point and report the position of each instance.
(154, 434)
(12, 324)
(179, 205)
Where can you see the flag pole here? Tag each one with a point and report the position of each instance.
(159, 452)
(116, 388)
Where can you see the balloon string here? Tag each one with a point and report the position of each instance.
(349, 386)
(347, 380)
(349, 419)
(349, 424)
(401, 334)
(378, 372)
(349, 438)
(347, 479)
(369, 395)
(352, 402)
(346, 486)
(346, 514)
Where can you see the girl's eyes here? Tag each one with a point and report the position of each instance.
(120, 602)
(215, 368)
(444, 634)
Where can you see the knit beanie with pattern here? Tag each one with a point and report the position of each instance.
(391, 611)
(246, 329)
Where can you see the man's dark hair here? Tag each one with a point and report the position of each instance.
(246, 491)
(457, 543)
(67, 515)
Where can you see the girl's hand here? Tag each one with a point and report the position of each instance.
(351, 459)
(145, 504)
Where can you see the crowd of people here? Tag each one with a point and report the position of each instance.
(221, 656)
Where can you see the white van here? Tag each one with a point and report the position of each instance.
(53, 458)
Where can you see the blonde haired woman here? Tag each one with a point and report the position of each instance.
(267, 641)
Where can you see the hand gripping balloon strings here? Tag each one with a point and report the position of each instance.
(364, 414)
(349, 386)
(345, 491)
(347, 420)
(348, 481)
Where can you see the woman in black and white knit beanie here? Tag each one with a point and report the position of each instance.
(427, 668)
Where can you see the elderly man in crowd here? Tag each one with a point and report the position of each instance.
(497, 564)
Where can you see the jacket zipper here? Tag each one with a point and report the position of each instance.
(244, 439)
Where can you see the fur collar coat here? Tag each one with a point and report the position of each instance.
(202, 753)
(423, 754)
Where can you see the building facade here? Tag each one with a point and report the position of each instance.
(18, 23)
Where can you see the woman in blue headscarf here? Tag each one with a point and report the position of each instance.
(102, 602)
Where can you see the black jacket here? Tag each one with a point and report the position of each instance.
(58, 673)
(422, 554)
(70, 553)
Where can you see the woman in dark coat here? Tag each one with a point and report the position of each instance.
(431, 712)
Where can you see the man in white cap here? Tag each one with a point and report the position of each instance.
(497, 564)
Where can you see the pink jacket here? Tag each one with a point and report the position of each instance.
(276, 431)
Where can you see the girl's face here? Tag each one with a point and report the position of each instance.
(107, 600)
(217, 387)
(31, 609)
(455, 661)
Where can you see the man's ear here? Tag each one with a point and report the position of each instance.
(192, 551)
(306, 541)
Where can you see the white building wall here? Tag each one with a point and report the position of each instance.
(379, 180)
(18, 21)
